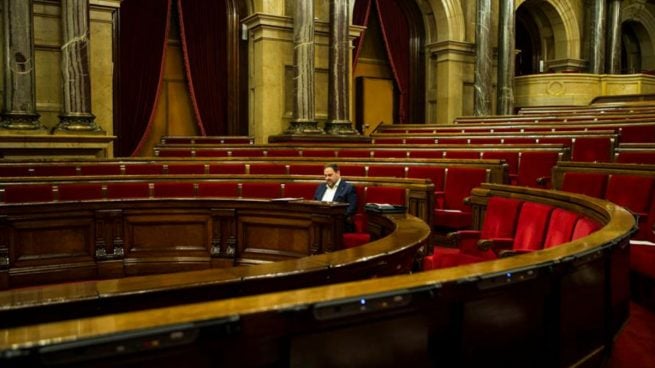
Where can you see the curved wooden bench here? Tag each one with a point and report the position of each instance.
(556, 307)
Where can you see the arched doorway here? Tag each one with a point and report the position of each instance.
(390, 53)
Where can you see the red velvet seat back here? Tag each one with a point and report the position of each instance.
(280, 152)
(474, 155)
(390, 195)
(174, 152)
(630, 191)
(354, 153)
(390, 154)
(560, 227)
(186, 169)
(268, 169)
(390, 171)
(248, 152)
(174, 190)
(591, 184)
(328, 153)
(12, 170)
(80, 192)
(511, 158)
(227, 168)
(55, 170)
(144, 169)
(128, 190)
(212, 153)
(635, 157)
(306, 169)
(218, 189)
(535, 165)
(435, 174)
(500, 218)
(101, 169)
(531, 226)
(458, 185)
(351, 170)
(432, 153)
(583, 227)
(261, 190)
(300, 190)
(636, 194)
(28, 193)
(592, 149)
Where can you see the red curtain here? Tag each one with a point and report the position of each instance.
(142, 42)
(360, 17)
(395, 32)
(203, 30)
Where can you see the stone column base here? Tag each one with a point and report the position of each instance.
(340, 127)
(19, 121)
(75, 124)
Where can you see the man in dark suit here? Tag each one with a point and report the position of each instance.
(337, 189)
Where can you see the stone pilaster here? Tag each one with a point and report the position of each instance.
(506, 39)
(614, 37)
(597, 38)
(483, 61)
(304, 114)
(76, 113)
(19, 112)
(339, 71)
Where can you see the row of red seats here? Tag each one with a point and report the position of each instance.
(511, 226)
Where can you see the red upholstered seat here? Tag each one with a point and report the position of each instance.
(360, 236)
(435, 174)
(511, 158)
(392, 171)
(450, 211)
(637, 133)
(173, 190)
(144, 169)
(462, 154)
(352, 170)
(212, 153)
(268, 169)
(218, 189)
(101, 169)
(635, 157)
(535, 167)
(390, 195)
(247, 152)
(592, 149)
(530, 230)
(227, 168)
(583, 227)
(128, 190)
(305, 169)
(186, 169)
(357, 153)
(390, 154)
(591, 184)
(28, 193)
(11, 170)
(261, 190)
(319, 153)
(299, 190)
(499, 223)
(634, 193)
(560, 227)
(642, 259)
(80, 192)
(55, 170)
(279, 152)
(175, 152)
(432, 153)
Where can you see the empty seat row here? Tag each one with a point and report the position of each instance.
(510, 226)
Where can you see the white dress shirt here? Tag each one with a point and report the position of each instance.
(328, 196)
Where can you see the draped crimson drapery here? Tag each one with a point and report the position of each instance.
(142, 42)
(360, 17)
(203, 29)
(396, 34)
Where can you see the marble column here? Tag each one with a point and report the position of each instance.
(339, 71)
(597, 38)
(19, 111)
(483, 62)
(304, 113)
(506, 30)
(614, 37)
(76, 113)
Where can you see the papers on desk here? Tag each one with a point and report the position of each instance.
(384, 208)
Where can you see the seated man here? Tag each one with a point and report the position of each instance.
(337, 190)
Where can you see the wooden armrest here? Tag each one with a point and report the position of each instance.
(495, 244)
(543, 181)
(504, 253)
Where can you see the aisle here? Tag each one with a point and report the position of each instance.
(635, 345)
